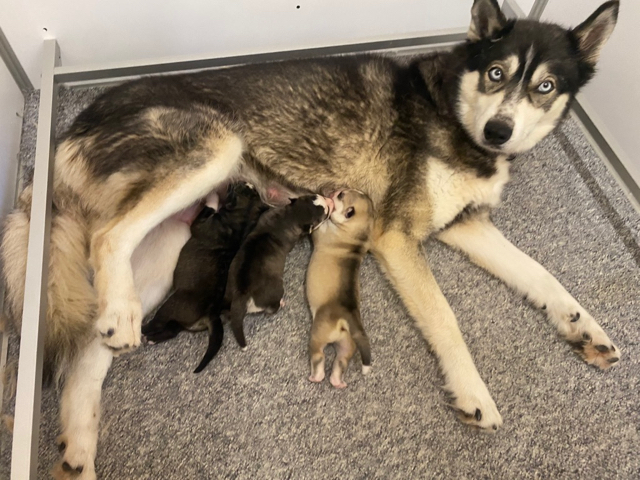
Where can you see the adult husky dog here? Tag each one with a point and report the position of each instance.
(430, 143)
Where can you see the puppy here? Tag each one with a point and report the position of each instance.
(255, 279)
(200, 277)
(333, 289)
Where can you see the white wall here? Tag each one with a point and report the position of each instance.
(613, 96)
(102, 31)
(11, 108)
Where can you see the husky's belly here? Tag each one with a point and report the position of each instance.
(450, 191)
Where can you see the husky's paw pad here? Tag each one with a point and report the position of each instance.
(477, 410)
(589, 340)
(596, 349)
(76, 463)
(120, 325)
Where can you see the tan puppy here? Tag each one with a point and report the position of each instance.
(333, 288)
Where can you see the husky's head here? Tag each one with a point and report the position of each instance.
(520, 76)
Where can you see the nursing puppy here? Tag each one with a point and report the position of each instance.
(200, 277)
(255, 279)
(333, 289)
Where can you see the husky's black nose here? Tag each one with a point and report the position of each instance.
(497, 132)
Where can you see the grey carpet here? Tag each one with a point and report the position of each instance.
(254, 415)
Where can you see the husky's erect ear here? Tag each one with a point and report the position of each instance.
(594, 32)
(486, 19)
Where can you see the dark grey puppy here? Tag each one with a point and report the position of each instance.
(255, 279)
(200, 277)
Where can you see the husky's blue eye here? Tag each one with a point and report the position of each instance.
(495, 74)
(545, 87)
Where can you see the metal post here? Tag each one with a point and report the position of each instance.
(13, 65)
(537, 9)
(511, 9)
(26, 432)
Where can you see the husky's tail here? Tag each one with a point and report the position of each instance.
(216, 333)
(71, 299)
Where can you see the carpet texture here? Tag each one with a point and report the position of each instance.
(254, 415)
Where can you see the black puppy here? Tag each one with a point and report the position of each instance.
(255, 279)
(200, 277)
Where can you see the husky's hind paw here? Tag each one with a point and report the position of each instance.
(120, 325)
(76, 463)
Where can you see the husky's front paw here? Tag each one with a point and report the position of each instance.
(120, 325)
(475, 407)
(585, 336)
(590, 342)
(76, 462)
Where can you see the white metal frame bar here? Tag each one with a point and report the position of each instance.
(537, 9)
(23, 82)
(26, 433)
(13, 65)
(173, 65)
(597, 133)
(512, 10)
(4, 348)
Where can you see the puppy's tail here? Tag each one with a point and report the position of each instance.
(361, 340)
(216, 334)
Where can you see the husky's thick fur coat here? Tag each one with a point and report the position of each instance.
(430, 143)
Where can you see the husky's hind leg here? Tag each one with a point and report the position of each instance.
(177, 184)
(80, 413)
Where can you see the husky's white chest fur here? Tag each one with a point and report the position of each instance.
(451, 190)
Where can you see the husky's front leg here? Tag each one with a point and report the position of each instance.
(402, 259)
(80, 413)
(488, 248)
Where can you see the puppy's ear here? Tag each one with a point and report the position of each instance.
(594, 32)
(486, 20)
(292, 201)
